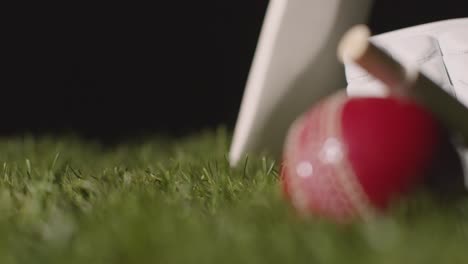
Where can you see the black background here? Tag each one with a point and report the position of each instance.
(120, 72)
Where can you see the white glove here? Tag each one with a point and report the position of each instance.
(439, 49)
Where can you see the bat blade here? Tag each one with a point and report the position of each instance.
(294, 66)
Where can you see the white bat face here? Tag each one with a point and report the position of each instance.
(294, 65)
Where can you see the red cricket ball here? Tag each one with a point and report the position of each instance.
(351, 157)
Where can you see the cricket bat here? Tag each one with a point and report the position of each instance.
(294, 66)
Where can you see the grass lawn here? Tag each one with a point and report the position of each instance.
(166, 201)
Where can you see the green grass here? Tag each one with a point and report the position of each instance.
(166, 201)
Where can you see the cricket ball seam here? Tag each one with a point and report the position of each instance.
(345, 174)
